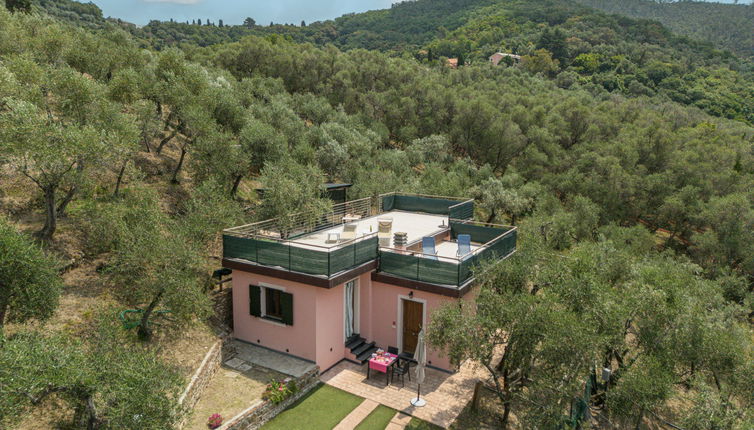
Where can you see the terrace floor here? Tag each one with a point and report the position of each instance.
(416, 225)
(446, 394)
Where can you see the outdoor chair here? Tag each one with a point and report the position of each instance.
(384, 231)
(428, 248)
(464, 245)
(401, 369)
(349, 232)
(392, 350)
(333, 238)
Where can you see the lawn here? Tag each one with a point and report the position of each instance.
(320, 409)
(378, 419)
(417, 424)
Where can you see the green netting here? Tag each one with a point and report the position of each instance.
(419, 268)
(273, 254)
(495, 250)
(311, 261)
(365, 250)
(479, 234)
(462, 211)
(432, 205)
(239, 247)
(341, 259)
(308, 260)
(405, 266)
(437, 271)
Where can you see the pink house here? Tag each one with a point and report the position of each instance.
(367, 275)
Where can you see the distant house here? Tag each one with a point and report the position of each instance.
(497, 57)
(453, 63)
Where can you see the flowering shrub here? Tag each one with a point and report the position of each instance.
(215, 421)
(277, 391)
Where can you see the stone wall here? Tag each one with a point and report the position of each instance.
(202, 377)
(222, 301)
(263, 411)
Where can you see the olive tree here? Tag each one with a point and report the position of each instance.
(29, 282)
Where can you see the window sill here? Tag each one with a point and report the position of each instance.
(273, 321)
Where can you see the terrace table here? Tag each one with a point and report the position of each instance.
(382, 364)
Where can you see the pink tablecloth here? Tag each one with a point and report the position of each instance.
(381, 364)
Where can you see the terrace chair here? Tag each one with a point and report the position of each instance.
(464, 245)
(428, 248)
(349, 232)
(384, 231)
(401, 370)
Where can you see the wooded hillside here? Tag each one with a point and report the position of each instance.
(623, 152)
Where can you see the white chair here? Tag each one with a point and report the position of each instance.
(349, 232)
(385, 231)
(333, 237)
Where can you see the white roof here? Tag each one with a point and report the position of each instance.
(415, 225)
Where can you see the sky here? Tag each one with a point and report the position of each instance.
(235, 11)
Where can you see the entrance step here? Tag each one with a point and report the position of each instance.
(358, 351)
(364, 356)
(354, 341)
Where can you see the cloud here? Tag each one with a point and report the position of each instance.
(175, 1)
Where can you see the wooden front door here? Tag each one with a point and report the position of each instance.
(412, 324)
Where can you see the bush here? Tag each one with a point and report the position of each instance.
(277, 391)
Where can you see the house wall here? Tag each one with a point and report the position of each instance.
(330, 326)
(317, 333)
(385, 317)
(299, 339)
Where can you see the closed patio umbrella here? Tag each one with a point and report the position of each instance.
(421, 360)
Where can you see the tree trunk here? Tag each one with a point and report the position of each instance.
(145, 332)
(66, 200)
(145, 141)
(166, 139)
(180, 164)
(3, 311)
(491, 217)
(51, 220)
(639, 419)
(85, 415)
(236, 183)
(120, 178)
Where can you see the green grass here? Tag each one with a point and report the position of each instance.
(378, 419)
(322, 408)
(417, 424)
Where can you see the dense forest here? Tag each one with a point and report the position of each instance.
(728, 26)
(622, 151)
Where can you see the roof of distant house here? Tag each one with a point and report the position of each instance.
(453, 62)
(498, 56)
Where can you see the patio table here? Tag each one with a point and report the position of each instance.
(382, 364)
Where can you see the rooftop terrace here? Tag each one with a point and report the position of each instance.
(362, 231)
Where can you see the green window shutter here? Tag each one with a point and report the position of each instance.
(286, 306)
(255, 300)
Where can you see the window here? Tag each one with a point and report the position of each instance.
(272, 307)
(271, 303)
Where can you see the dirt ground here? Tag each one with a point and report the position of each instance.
(229, 393)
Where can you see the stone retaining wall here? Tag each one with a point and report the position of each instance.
(263, 411)
(201, 378)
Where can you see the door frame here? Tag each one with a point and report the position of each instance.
(400, 317)
(356, 306)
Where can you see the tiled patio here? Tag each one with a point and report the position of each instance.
(446, 394)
